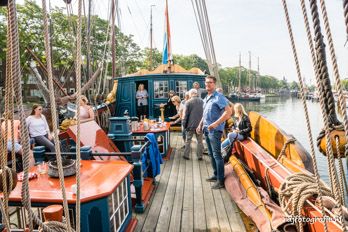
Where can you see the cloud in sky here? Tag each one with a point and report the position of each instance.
(237, 26)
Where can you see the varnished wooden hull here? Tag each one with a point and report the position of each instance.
(269, 136)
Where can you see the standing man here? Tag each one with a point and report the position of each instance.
(216, 111)
(192, 117)
(200, 90)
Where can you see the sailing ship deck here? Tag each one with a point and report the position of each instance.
(184, 201)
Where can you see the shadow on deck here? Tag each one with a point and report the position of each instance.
(184, 201)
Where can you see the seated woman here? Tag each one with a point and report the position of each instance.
(38, 128)
(16, 134)
(175, 119)
(169, 107)
(86, 111)
(241, 129)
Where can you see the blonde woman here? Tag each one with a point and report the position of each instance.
(142, 103)
(241, 128)
(86, 111)
(176, 102)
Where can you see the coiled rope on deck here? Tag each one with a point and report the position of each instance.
(295, 190)
(308, 125)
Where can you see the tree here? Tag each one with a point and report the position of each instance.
(156, 58)
(191, 61)
(63, 28)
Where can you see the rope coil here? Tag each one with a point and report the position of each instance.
(295, 190)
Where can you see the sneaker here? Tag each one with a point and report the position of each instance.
(186, 158)
(218, 185)
(211, 179)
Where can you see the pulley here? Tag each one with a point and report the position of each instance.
(342, 143)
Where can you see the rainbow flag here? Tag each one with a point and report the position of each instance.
(167, 49)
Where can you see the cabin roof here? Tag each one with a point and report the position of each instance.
(163, 69)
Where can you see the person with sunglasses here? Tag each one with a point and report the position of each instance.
(216, 111)
(38, 128)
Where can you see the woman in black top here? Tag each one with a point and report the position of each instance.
(241, 128)
(170, 108)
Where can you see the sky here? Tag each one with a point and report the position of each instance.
(237, 26)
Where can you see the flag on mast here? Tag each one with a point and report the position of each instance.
(167, 49)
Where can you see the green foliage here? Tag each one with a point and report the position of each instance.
(345, 84)
(63, 31)
(230, 78)
(191, 61)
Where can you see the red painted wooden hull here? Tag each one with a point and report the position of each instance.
(262, 164)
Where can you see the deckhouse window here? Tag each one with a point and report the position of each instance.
(161, 89)
(181, 88)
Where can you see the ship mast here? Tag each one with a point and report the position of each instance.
(249, 73)
(151, 38)
(240, 72)
(113, 45)
(258, 73)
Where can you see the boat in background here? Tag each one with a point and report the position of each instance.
(244, 97)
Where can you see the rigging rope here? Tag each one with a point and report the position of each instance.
(322, 77)
(342, 182)
(78, 99)
(13, 54)
(54, 115)
(308, 125)
(345, 9)
(341, 98)
(202, 20)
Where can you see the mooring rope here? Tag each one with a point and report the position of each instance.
(303, 98)
(54, 116)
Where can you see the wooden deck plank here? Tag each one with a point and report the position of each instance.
(175, 222)
(200, 222)
(236, 222)
(153, 210)
(187, 209)
(167, 206)
(209, 204)
(219, 204)
(184, 201)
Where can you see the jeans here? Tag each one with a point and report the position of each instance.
(213, 140)
(231, 137)
(44, 141)
(189, 136)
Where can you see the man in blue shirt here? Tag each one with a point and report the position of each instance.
(216, 112)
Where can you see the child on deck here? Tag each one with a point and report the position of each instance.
(241, 129)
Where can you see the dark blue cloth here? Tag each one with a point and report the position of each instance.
(213, 108)
(151, 157)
